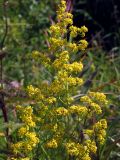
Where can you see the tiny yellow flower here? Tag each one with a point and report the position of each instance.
(61, 111)
(52, 144)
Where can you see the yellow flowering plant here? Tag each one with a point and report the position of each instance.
(55, 125)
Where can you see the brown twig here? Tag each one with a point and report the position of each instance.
(2, 103)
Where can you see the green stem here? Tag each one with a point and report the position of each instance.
(48, 157)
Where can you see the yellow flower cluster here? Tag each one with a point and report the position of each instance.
(61, 60)
(72, 47)
(82, 152)
(55, 114)
(51, 100)
(91, 146)
(52, 144)
(26, 115)
(59, 30)
(61, 111)
(64, 17)
(80, 110)
(55, 43)
(23, 130)
(92, 106)
(83, 30)
(55, 30)
(34, 93)
(74, 31)
(73, 149)
(82, 45)
(100, 130)
(95, 101)
(73, 81)
(56, 87)
(99, 97)
(30, 139)
(74, 67)
(27, 145)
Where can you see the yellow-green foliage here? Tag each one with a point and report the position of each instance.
(56, 121)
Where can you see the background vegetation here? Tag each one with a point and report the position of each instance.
(24, 28)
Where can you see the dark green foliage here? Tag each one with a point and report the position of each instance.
(27, 22)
